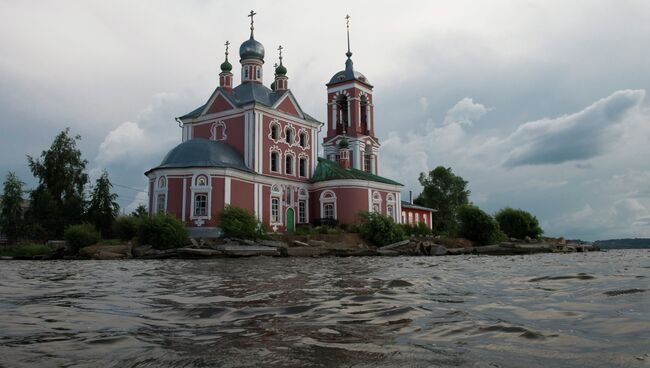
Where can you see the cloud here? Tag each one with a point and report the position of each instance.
(466, 112)
(580, 136)
(424, 103)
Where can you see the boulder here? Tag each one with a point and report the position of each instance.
(194, 252)
(273, 243)
(106, 255)
(388, 253)
(438, 250)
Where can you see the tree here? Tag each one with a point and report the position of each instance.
(444, 192)
(103, 208)
(476, 225)
(11, 214)
(58, 200)
(140, 211)
(518, 223)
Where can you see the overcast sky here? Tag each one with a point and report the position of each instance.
(540, 105)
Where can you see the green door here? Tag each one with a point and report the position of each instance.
(290, 225)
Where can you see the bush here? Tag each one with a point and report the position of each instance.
(420, 229)
(26, 250)
(379, 230)
(478, 226)
(238, 223)
(516, 223)
(126, 227)
(79, 236)
(162, 232)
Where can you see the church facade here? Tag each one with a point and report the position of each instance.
(254, 147)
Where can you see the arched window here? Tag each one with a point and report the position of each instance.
(288, 168)
(376, 202)
(390, 206)
(160, 203)
(275, 161)
(276, 195)
(259, 72)
(342, 111)
(162, 182)
(302, 206)
(364, 115)
(302, 167)
(201, 181)
(328, 205)
(275, 131)
(288, 134)
(303, 139)
(246, 72)
(218, 131)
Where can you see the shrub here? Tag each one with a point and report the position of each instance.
(419, 229)
(26, 250)
(79, 236)
(162, 232)
(126, 227)
(379, 230)
(238, 223)
(478, 226)
(517, 223)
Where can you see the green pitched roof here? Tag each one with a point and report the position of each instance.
(330, 170)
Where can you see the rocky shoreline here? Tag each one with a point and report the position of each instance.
(306, 247)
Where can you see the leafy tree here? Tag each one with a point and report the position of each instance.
(126, 227)
(59, 200)
(379, 230)
(518, 223)
(238, 223)
(103, 208)
(476, 225)
(140, 211)
(11, 214)
(444, 192)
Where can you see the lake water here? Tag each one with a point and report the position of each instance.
(553, 310)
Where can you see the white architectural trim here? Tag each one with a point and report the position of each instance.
(347, 86)
(212, 99)
(226, 191)
(197, 189)
(289, 95)
(326, 197)
(213, 131)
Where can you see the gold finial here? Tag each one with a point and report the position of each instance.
(251, 15)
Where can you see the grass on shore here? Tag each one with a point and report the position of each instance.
(26, 250)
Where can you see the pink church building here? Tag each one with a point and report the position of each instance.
(254, 147)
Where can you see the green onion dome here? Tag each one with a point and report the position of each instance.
(226, 67)
(281, 70)
(343, 143)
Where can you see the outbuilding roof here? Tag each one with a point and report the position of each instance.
(406, 204)
(330, 170)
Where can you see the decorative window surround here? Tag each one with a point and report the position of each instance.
(160, 195)
(216, 134)
(328, 197)
(198, 189)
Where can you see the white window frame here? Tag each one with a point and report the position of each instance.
(160, 188)
(196, 208)
(304, 198)
(328, 197)
(276, 194)
(306, 161)
(390, 202)
(293, 163)
(201, 189)
(280, 161)
(376, 201)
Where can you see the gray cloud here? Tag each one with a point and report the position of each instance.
(578, 136)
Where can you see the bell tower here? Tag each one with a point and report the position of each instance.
(350, 116)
